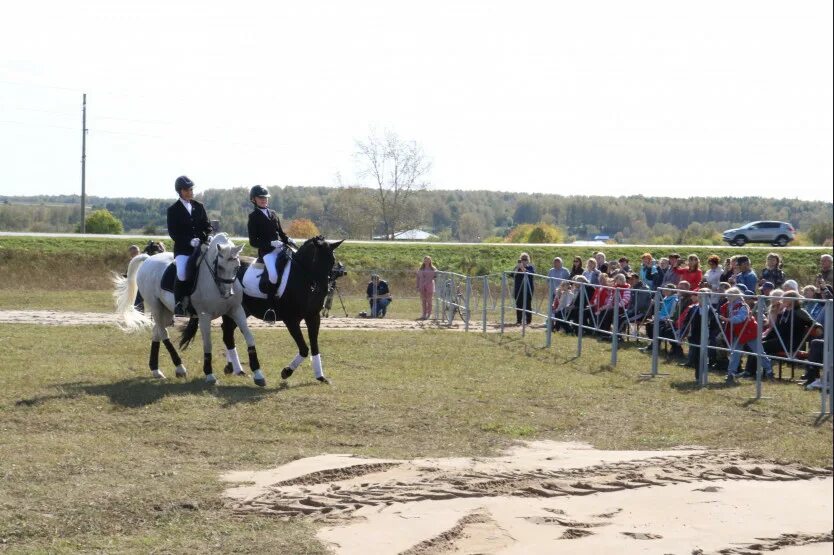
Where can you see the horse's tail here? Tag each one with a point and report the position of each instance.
(188, 332)
(124, 295)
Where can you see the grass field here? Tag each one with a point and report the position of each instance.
(96, 456)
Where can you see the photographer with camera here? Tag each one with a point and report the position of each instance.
(826, 275)
(379, 296)
(333, 290)
(523, 297)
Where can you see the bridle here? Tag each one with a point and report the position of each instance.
(315, 286)
(213, 268)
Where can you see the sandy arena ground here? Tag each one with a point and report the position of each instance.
(56, 318)
(549, 497)
(540, 497)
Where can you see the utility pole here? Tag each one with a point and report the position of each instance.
(83, 163)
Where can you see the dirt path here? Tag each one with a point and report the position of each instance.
(56, 318)
(546, 497)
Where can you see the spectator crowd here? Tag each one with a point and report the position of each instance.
(793, 316)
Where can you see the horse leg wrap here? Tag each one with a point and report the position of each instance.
(207, 364)
(296, 362)
(253, 358)
(153, 362)
(317, 368)
(175, 357)
(234, 359)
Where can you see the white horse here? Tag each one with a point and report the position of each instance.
(216, 294)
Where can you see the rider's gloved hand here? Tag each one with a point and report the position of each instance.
(195, 242)
(276, 243)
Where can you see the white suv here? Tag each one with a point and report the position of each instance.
(777, 234)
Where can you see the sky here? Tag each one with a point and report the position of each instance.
(658, 98)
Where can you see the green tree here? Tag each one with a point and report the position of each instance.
(103, 222)
(470, 228)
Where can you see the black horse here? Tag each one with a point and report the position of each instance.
(302, 299)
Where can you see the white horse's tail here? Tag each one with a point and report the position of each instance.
(124, 296)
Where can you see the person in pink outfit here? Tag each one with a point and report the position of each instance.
(425, 285)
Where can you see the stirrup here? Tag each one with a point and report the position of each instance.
(268, 319)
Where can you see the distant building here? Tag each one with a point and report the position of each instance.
(410, 235)
(602, 238)
(588, 243)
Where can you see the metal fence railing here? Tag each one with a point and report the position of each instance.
(650, 318)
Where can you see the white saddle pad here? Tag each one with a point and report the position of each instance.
(252, 278)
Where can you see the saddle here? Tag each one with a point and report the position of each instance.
(265, 286)
(170, 274)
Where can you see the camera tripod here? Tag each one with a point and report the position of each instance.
(332, 290)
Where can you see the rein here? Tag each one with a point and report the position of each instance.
(314, 286)
(213, 272)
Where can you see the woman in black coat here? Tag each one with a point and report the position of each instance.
(266, 234)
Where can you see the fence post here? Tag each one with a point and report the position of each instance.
(450, 305)
(524, 290)
(656, 331)
(503, 297)
(615, 327)
(703, 358)
(484, 297)
(438, 292)
(468, 308)
(759, 350)
(579, 330)
(549, 329)
(436, 296)
(825, 374)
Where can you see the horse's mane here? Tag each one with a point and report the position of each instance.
(312, 243)
(220, 239)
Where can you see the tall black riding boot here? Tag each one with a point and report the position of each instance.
(180, 298)
(267, 287)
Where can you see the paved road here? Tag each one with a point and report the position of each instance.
(145, 238)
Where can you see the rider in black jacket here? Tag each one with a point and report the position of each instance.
(266, 235)
(188, 226)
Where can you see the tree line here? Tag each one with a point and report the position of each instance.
(453, 215)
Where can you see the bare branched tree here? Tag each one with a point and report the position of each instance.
(397, 168)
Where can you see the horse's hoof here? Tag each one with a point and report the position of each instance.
(157, 374)
(181, 371)
(228, 369)
(258, 376)
(324, 380)
(210, 379)
(286, 373)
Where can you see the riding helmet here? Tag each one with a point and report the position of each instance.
(258, 191)
(183, 182)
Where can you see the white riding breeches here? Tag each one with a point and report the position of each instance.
(269, 262)
(181, 260)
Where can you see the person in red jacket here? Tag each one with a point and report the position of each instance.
(691, 273)
(600, 298)
(624, 299)
(741, 330)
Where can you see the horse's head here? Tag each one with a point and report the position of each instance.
(316, 259)
(223, 259)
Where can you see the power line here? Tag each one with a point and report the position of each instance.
(38, 124)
